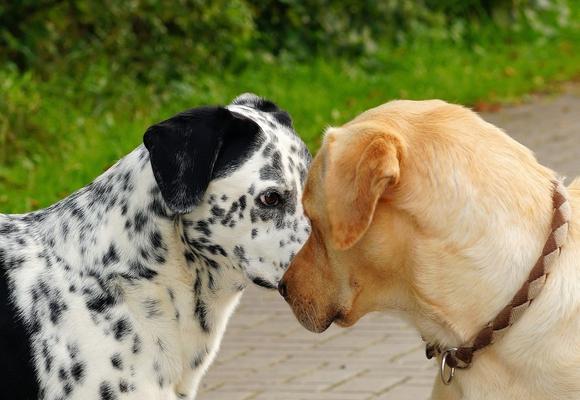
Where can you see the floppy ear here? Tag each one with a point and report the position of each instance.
(361, 165)
(190, 149)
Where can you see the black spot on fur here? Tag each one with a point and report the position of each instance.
(159, 209)
(268, 149)
(273, 171)
(140, 220)
(100, 302)
(201, 315)
(47, 356)
(217, 211)
(139, 270)
(57, 308)
(283, 118)
(240, 252)
(107, 392)
(228, 219)
(198, 359)
(110, 256)
(117, 361)
(263, 283)
(67, 389)
(123, 386)
(211, 263)
(197, 285)
(77, 371)
(73, 350)
(136, 347)
(243, 203)
(121, 328)
(202, 226)
(156, 240)
(77, 212)
(216, 249)
(13, 262)
(189, 256)
(7, 229)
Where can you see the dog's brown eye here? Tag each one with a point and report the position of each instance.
(270, 198)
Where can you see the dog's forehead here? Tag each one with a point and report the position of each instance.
(266, 121)
(277, 135)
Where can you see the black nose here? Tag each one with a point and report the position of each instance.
(282, 289)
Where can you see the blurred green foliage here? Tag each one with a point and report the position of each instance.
(81, 80)
(299, 28)
(156, 40)
(150, 39)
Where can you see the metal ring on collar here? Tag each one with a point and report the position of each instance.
(447, 377)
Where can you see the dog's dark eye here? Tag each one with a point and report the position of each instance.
(270, 198)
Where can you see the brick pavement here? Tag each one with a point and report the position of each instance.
(548, 125)
(267, 355)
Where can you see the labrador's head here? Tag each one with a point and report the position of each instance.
(412, 208)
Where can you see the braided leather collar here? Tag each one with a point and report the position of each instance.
(461, 357)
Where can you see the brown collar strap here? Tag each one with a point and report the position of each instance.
(461, 357)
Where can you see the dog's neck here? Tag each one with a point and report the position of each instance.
(121, 212)
(552, 313)
(537, 357)
(493, 263)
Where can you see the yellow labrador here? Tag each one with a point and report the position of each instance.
(426, 209)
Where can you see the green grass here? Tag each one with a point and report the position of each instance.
(57, 135)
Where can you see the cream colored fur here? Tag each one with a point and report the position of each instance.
(462, 214)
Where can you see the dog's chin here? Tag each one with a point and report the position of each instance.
(264, 283)
(314, 323)
(345, 320)
(315, 326)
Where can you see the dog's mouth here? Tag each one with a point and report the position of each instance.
(340, 318)
(264, 283)
(315, 326)
(312, 321)
(343, 319)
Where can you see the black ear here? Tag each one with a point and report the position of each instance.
(259, 103)
(190, 149)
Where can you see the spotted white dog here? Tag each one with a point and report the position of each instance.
(123, 290)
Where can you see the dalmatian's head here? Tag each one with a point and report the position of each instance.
(235, 176)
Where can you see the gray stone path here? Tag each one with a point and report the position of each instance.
(267, 355)
(550, 126)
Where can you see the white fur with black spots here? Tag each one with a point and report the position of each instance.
(124, 289)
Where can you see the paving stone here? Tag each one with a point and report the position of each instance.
(227, 395)
(308, 396)
(367, 384)
(405, 392)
